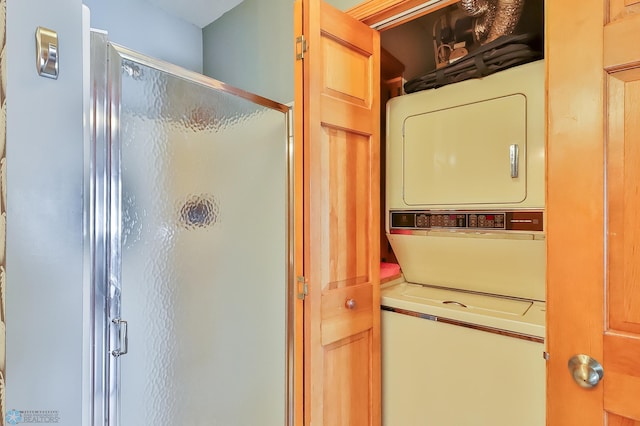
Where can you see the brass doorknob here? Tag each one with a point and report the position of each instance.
(586, 371)
(350, 304)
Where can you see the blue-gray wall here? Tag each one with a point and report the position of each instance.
(44, 261)
(251, 47)
(143, 27)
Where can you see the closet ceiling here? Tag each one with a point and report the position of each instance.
(199, 12)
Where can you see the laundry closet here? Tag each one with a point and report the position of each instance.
(463, 214)
(409, 51)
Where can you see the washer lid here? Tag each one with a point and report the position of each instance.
(469, 301)
(521, 316)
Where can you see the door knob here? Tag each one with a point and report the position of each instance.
(586, 371)
(350, 304)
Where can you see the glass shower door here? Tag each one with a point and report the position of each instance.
(191, 187)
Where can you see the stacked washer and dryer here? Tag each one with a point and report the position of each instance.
(463, 330)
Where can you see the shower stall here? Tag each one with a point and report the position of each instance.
(189, 247)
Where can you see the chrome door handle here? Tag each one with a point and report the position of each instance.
(124, 338)
(586, 371)
(350, 304)
(514, 160)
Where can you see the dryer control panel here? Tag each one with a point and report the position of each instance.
(403, 220)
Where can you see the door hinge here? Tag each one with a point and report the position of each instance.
(301, 47)
(546, 356)
(303, 287)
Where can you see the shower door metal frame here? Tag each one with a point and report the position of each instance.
(104, 228)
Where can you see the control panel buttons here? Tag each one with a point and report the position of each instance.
(426, 219)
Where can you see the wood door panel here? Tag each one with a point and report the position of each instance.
(618, 9)
(352, 87)
(575, 205)
(622, 375)
(347, 388)
(341, 124)
(622, 338)
(334, 25)
(619, 55)
(615, 420)
(623, 195)
(343, 115)
(349, 172)
(338, 320)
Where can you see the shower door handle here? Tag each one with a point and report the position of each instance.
(124, 338)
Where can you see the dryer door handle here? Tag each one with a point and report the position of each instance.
(514, 160)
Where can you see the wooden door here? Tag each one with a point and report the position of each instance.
(336, 84)
(593, 206)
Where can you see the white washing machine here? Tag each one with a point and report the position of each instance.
(461, 359)
(463, 331)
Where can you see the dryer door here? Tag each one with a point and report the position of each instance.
(468, 154)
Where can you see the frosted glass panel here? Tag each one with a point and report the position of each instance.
(204, 254)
